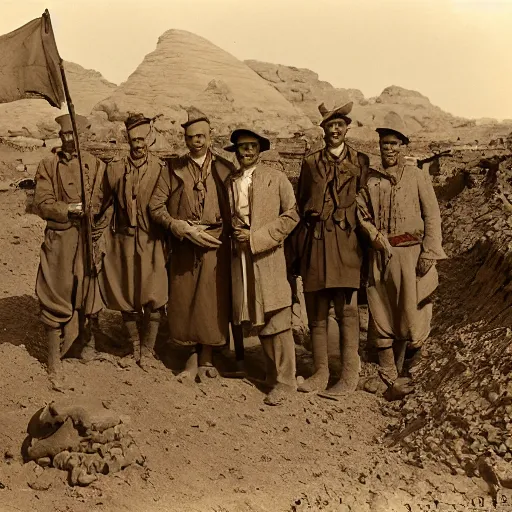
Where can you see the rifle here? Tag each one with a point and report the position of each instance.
(435, 156)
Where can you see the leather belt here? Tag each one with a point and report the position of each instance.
(403, 240)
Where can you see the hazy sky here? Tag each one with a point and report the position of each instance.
(456, 52)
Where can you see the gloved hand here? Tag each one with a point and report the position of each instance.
(242, 235)
(196, 234)
(75, 210)
(381, 243)
(423, 266)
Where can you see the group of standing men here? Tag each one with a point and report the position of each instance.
(208, 240)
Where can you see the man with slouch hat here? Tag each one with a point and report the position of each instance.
(190, 202)
(264, 213)
(399, 212)
(134, 276)
(69, 298)
(330, 256)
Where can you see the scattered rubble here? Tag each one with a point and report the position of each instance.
(461, 412)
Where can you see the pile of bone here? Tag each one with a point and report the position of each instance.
(83, 444)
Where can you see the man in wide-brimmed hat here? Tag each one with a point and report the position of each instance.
(68, 298)
(328, 249)
(399, 212)
(133, 279)
(190, 202)
(264, 213)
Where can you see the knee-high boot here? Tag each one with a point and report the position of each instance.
(349, 351)
(147, 351)
(54, 340)
(318, 381)
(130, 321)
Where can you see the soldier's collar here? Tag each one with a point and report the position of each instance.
(65, 156)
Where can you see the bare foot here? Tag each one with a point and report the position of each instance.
(207, 371)
(317, 382)
(279, 394)
(190, 372)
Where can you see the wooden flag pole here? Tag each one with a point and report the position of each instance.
(86, 220)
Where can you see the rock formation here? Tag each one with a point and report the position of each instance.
(185, 70)
(302, 87)
(305, 91)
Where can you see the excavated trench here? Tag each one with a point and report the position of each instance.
(461, 412)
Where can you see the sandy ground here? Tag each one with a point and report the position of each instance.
(208, 447)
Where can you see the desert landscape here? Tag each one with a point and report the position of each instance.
(214, 446)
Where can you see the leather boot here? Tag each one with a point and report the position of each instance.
(399, 348)
(54, 339)
(89, 343)
(147, 351)
(130, 322)
(349, 352)
(387, 372)
(318, 381)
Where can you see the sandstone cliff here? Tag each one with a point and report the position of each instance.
(186, 70)
(306, 91)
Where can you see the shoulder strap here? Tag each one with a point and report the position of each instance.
(223, 198)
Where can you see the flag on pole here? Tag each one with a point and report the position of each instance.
(29, 64)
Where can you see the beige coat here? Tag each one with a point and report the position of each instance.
(402, 206)
(274, 215)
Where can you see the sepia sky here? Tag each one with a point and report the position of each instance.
(456, 52)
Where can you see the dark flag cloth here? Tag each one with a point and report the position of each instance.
(29, 64)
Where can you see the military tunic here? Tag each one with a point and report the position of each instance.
(61, 286)
(134, 273)
(199, 306)
(400, 203)
(326, 240)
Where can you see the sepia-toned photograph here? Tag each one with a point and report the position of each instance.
(256, 256)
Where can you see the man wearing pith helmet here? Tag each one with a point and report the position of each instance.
(330, 256)
(190, 202)
(69, 299)
(264, 213)
(399, 212)
(134, 276)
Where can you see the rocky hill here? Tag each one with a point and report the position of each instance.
(306, 91)
(35, 118)
(185, 70)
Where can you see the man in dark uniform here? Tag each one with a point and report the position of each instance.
(190, 201)
(330, 259)
(134, 275)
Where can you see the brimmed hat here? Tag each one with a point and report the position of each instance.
(194, 116)
(82, 123)
(136, 120)
(394, 124)
(264, 142)
(342, 112)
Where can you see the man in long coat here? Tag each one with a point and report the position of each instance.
(264, 213)
(133, 279)
(329, 252)
(399, 212)
(190, 202)
(67, 296)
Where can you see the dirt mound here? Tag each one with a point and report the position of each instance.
(35, 118)
(186, 70)
(210, 446)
